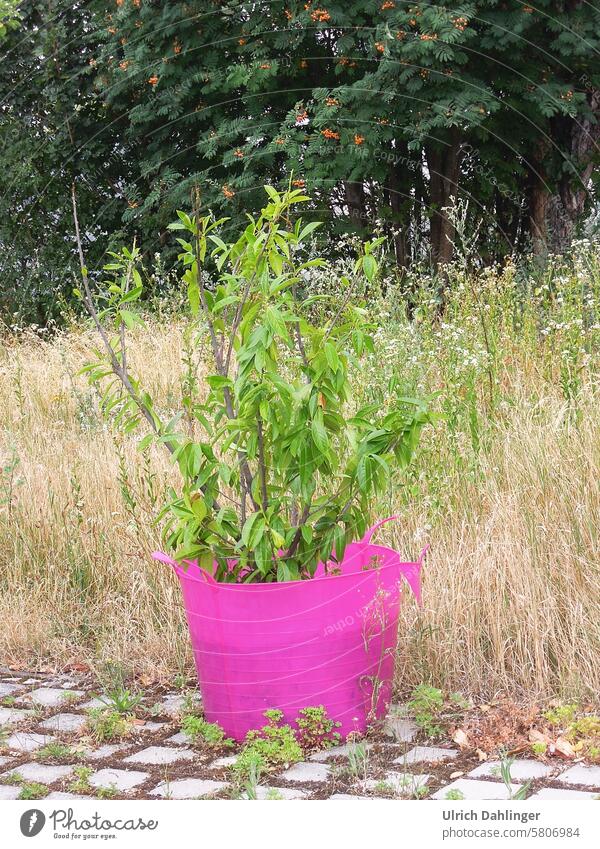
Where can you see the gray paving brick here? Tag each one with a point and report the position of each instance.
(65, 722)
(105, 751)
(307, 772)
(187, 788)
(337, 751)
(222, 762)
(160, 755)
(400, 783)
(343, 797)
(521, 770)
(12, 716)
(582, 774)
(9, 689)
(45, 774)
(28, 741)
(151, 727)
(4, 760)
(9, 792)
(122, 779)
(279, 793)
(426, 754)
(50, 696)
(549, 793)
(180, 737)
(93, 703)
(401, 729)
(58, 795)
(472, 789)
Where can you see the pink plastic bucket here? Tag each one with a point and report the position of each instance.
(327, 641)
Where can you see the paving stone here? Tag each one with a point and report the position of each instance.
(187, 788)
(521, 770)
(338, 797)
(5, 760)
(65, 722)
(10, 716)
(221, 762)
(105, 751)
(173, 704)
(426, 754)
(121, 779)
(43, 773)
(50, 696)
(278, 792)
(9, 792)
(180, 737)
(472, 789)
(337, 751)
(401, 729)
(9, 689)
(151, 727)
(550, 793)
(93, 703)
(28, 741)
(59, 795)
(582, 774)
(307, 772)
(160, 755)
(402, 783)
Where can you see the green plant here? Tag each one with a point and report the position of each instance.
(539, 748)
(13, 777)
(426, 704)
(198, 729)
(81, 782)
(561, 714)
(454, 795)
(8, 701)
(56, 751)
(33, 790)
(121, 700)
(272, 745)
(107, 792)
(316, 730)
(358, 759)
(288, 469)
(504, 770)
(107, 724)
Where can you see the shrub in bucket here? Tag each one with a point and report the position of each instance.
(288, 601)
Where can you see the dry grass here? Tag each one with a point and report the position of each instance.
(512, 589)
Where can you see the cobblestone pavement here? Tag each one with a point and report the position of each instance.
(47, 751)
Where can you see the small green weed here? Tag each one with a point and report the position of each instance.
(561, 714)
(81, 782)
(316, 729)
(454, 795)
(426, 704)
(206, 732)
(273, 745)
(33, 790)
(107, 724)
(106, 792)
(56, 751)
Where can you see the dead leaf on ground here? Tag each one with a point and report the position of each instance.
(563, 748)
(461, 738)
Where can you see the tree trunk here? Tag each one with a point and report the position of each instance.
(355, 201)
(580, 139)
(444, 168)
(398, 196)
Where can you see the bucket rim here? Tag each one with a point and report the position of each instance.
(204, 578)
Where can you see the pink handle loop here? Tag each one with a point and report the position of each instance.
(370, 531)
(181, 573)
(424, 553)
